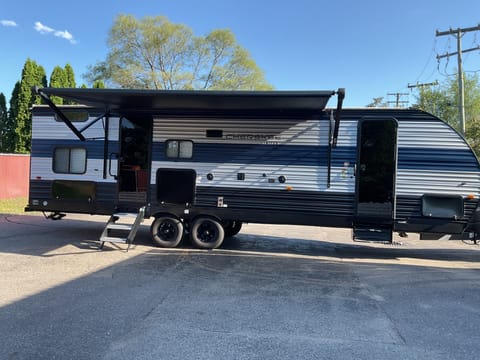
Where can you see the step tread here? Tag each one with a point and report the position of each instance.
(126, 214)
(126, 227)
(372, 233)
(113, 239)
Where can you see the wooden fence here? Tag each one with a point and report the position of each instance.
(14, 175)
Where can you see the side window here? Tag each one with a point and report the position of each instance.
(179, 149)
(69, 160)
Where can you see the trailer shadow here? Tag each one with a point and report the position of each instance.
(37, 236)
(18, 231)
(256, 293)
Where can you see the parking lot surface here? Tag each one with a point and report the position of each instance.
(271, 292)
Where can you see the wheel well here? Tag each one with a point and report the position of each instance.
(216, 218)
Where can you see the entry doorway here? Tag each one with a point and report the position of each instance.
(134, 160)
(376, 168)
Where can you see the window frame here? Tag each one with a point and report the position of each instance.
(179, 141)
(69, 148)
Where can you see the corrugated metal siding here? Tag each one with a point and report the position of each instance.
(294, 148)
(42, 190)
(334, 204)
(44, 126)
(41, 167)
(411, 207)
(294, 131)
(433, 158)
(47, 134)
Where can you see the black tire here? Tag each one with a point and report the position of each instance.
(232, 227)
(207, 233)
(167, 231)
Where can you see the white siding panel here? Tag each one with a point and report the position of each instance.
(42, 168)
(298, 177)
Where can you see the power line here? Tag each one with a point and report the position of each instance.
(398, 100)
(422, 85)
(459, 33)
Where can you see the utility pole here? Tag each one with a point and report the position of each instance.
(433, 107)
(397, 101)
(459, 33)
(422, 85)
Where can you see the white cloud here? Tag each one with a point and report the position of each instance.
(8, 23)
(65, 35)
(43, 29)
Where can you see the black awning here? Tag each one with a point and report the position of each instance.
(123, 100)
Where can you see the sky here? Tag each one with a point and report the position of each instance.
(371, 48)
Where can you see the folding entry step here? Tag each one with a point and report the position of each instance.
(372, 232)
(129, 230)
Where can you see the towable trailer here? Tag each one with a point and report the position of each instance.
(204, 162)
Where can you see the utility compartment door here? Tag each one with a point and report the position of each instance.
(376, 168)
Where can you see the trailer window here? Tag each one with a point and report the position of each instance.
(70, 160)
(74, 115)
(179, 149)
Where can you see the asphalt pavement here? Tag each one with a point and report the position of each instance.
(271, 292)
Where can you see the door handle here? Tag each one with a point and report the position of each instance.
(110, 158)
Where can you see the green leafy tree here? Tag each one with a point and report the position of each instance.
(32, 75)
(154, 53)
(443, 102)
(98, 84)
(58, 79)
(70, 76)
(377, 102)
(69, 81)
(62, 78)
(3, 121)
(8, 134)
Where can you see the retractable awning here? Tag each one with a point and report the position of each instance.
(126, 100)
(178, 102)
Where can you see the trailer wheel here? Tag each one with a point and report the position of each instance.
(231, 227)
(167, 231)
(207, 233)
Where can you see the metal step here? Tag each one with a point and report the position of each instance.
(126, 227)
(372, 232)
(114, 239)
(132, 229)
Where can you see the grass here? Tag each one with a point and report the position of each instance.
(13, 206)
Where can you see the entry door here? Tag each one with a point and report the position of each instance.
(376, 165)
(134, 159)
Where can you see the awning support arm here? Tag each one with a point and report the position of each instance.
(60, 114)
(104, 115)
(330, 131)
(340, 97)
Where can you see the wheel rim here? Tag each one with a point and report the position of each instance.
(167, 231)
(207, 232)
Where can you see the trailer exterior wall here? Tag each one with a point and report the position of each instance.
(49, 134)
(432, 159)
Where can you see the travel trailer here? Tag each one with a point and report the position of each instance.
(201, 163)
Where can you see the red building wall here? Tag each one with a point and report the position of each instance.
(14, 175)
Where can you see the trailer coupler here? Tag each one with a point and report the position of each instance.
(55, 215)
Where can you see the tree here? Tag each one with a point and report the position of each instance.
(21, 102)
(62, 78)
(69, 76)
(98, 84)
(442, 102)
(3, 121)
(58, 79)
(154, 53)
(377, 102)
(8, 134)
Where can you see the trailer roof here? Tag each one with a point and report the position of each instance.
(194, 100)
